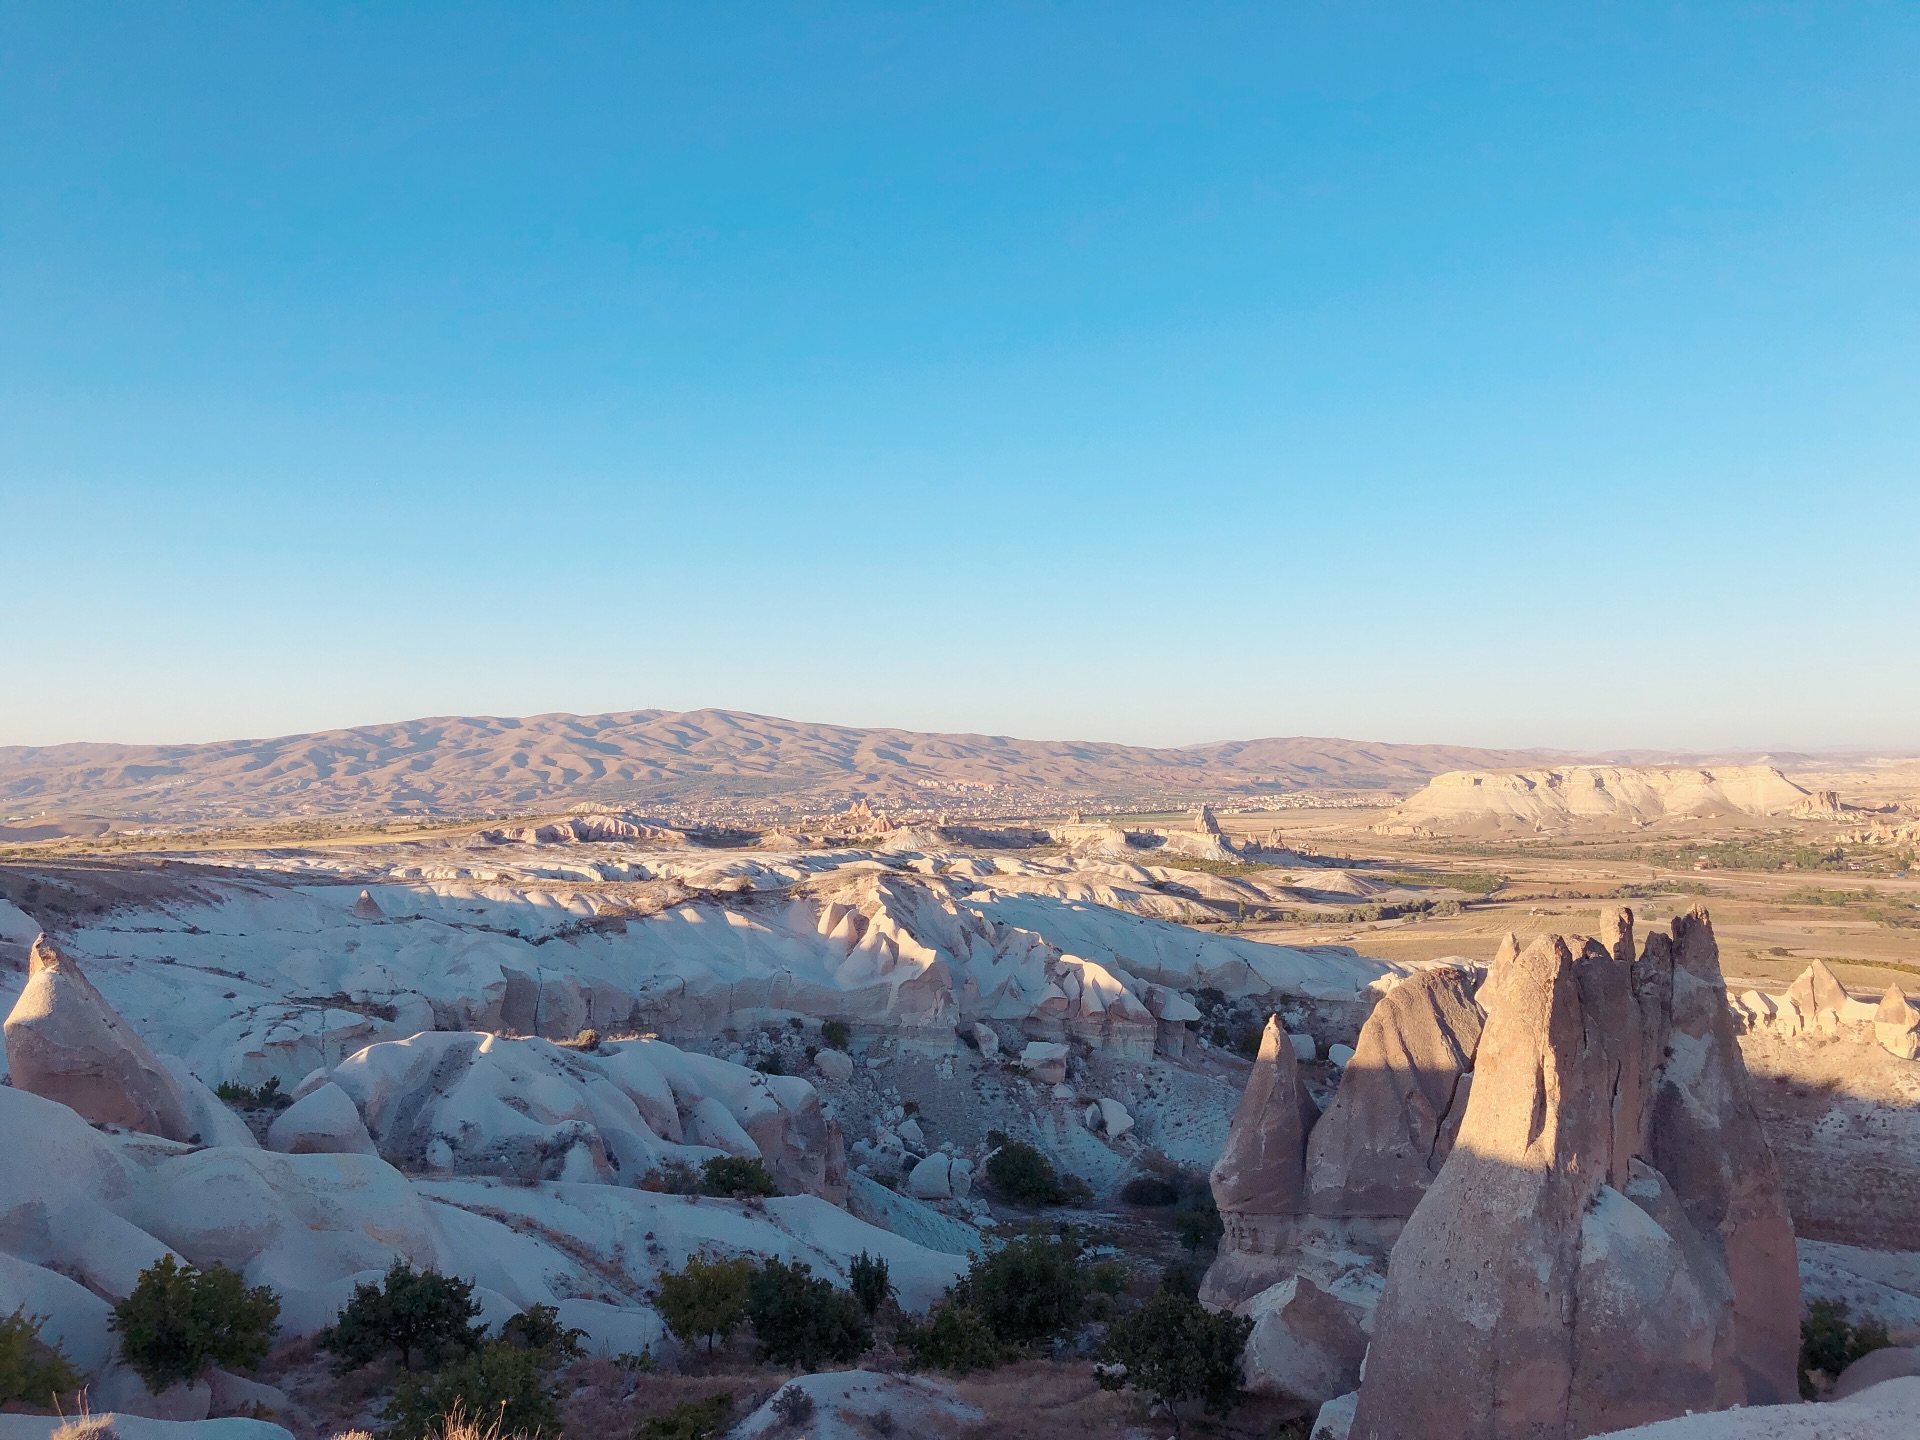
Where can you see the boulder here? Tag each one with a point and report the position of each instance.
(1896, 1025)
(834, 1064)
(66, 1043)
(987, 1040)
(1114, 1119)
(1046, 1061)
(323, 1122)
(1609, 1222)
(1335, 1418)
(1340, 1056)
(1262, 1170)
(1305, 1344)
(931, 1178)
(1874, 1368)
(1387, 1132)
(1305, 1048)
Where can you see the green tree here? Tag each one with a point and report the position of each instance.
(731, 1175)
(495, 1383)
(1031, 1290)
(32, 1371)
(1177, 1350)
(1829, 1342)
(180, 1320)
(707, 1299)
(867, 1278)
(538, 1328)
(834, 1032)
(690, 1420)
(1020, 1173)
(420, 1313)
(953, 1338)
(802, 1320)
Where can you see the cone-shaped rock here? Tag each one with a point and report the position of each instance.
(1386, 1134)
(1896, 1024)
(368, 908)
(1707, 1141)
(66, 1043)
(1262, 1171)
(1554, 1283)
(1819, 995)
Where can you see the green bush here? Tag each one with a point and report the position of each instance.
(729, 1175)
(834, 1032)
(1177, 1350)
(1029, 1291)
(1199, 1223)
(1829, 1342)
(538, 1328)
(419, 1313)
(496, 1383)
(953, 1338)
(32, 1371)
(180, 1320)
(1020, 1173)
(1150, 1190)
(803, 1321)
(706, 1299)
(867, 1278)
(264, 1096)
(693, 1420)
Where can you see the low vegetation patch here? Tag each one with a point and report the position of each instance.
(181, 1320)
(1829, 1343)
(1177, 1351)
(266, 1095)
(32, 1371)
(1020, 1173)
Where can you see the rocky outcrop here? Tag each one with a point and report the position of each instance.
(1896, 1025)
(1392, 1122)
(1609, 1225)
(1305, 1344)
(1819, 997)
(65, 1042)
(1262, 1171)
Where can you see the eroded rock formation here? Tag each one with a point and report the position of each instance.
(1607, 1244)
(1262, 1171)
(65, 1042)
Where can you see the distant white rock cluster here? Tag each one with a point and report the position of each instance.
(1818, 1004)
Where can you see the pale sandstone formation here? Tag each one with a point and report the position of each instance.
(1874, 1368)
(1609, 1226)
(1896, 1025)
(321, 1122)
(1590, 796)
(1262, 1171)
(66, 1043)
(1391, 1124)
(1305, 1344)
(1819, 997)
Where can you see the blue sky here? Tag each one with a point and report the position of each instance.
(1507, 375)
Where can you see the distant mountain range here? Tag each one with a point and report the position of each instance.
(713, 764)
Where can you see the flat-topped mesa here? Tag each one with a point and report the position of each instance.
(1610, 1221)
(67, 1044)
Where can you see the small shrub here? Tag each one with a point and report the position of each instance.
(587, 1039)
(953, 1338)
(729, 1175)
(1110, 1277)
(834, 1032)
(793, 1405)
(1199, 1223)
(32, 1371)
(179, 1320)
(802, 1320)
(421, 1314)
(1177, 1350)
(707, 1299)
(538, 1328)
(867, 1278)
(693, 1420)
(1829, 1343)
(264, 1096)
(509, 1386)
(770, 1065)
(675, 1177)
(1150, 1190)
(1020, 1173)
(1029, 1291)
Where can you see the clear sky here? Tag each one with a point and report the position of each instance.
(1509, 375)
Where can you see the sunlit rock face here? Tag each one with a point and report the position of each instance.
(1607, 1243)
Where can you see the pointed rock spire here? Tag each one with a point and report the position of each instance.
(1262, 1171)
(66, 1043)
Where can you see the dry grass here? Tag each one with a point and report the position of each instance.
(85, 1425)
(605, 1398)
